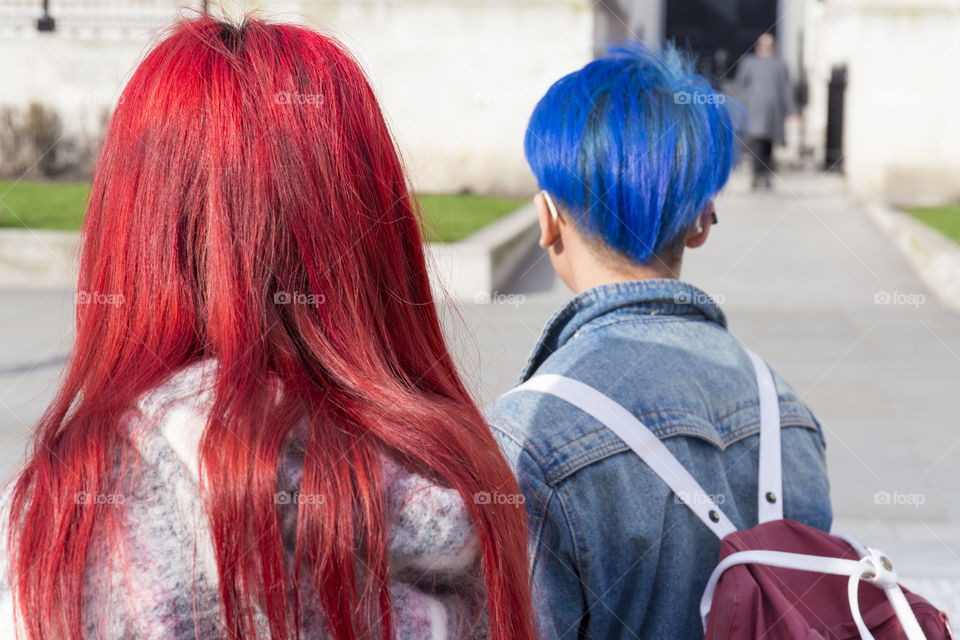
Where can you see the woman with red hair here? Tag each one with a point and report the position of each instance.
(260, 432)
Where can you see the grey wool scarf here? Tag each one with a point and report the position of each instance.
(162, 580)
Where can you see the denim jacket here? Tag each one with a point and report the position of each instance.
(614, 553)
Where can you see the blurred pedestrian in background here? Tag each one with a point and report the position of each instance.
(763, 88)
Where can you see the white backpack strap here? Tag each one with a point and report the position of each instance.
(639, 438)
(770, 483)
(873, 567)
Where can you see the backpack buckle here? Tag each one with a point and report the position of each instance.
(879, 569)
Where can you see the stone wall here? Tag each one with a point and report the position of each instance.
(901, 133)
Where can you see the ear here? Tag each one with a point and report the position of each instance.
(549, 226)
(698, 233)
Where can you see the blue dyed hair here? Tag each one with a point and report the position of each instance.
(633, 146)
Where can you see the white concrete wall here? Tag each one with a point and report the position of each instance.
(901, 132)
(817, 61)
(457, 79)
(79, 77)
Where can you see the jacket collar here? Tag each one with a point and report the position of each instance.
(653, 297)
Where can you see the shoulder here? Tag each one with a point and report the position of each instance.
(169, 421)
(431, 526)
(642, 362)
(435, 559)
(542, 436)
(687, 380)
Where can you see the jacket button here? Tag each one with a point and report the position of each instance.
(714, 516)
(771, 497)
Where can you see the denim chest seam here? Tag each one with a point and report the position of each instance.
(536, 453)
(553, 473)
(558, 473)
(695, 430)
(669, 430)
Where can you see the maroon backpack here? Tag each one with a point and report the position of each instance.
(780, 580)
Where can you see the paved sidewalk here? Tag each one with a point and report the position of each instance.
(807, 280)
(36, 333)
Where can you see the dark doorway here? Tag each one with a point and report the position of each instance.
(833, 159)
(720, 32)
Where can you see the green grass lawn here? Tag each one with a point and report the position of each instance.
(42, 205)
(60, 205)
(946, 220)
(453, 218)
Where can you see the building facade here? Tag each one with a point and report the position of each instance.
(459, 78)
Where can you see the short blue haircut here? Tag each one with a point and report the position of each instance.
(634, 145)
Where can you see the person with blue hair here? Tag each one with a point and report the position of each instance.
(630, 152)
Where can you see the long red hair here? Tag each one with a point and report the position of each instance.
(244, 164)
